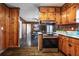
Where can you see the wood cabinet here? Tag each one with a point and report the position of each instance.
(8, 26)
(14, 32)
(43, 9)
(63, 15)
(77, 50)
(73, 14)
(51, 16)
(69, 13)
(60, 43)
(2, 26)
(58, 16)
(71, 49)
(40, 41)
(43, 16)
(51, 9)
(69, 46)
(66, 50)
(63, 44)
(47, 13)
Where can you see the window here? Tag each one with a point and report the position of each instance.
(49, 29)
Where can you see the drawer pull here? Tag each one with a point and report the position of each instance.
(70, 45)
(69, 54)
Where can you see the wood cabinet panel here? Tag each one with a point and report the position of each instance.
(40, 40)
(51, 10)
(51, 16)
(47, 13)
(14, 15)
(2, 26)
(71, 49)
(73, 14)
(58, 16)
(43, 9)
(77, 50)
(7, 26)
(64, 19)
(43, 16)
(60, 43)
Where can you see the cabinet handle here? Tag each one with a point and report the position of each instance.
(70, 45)
(69, 54)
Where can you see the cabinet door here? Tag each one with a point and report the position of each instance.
(63, 44)
(60, 43)
(73, 14)
(51, 10)
(43, 16)
(64, 21)
(43, 9)
(51, 16)
(7, 26)
(68, 15)
(3, 26)
(58, 16)
(14, 16)
(71, 49)
(2, 12)
(77, 50)
(40, 40)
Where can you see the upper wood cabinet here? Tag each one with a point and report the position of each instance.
(43, 9)
(63, 15)
(69, 13)
(51, 10)
(47, 13)
(58, 16)
(51, 16)
(73, 14)
(43, 16)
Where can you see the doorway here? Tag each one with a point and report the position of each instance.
(29, 29)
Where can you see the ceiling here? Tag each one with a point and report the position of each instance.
(50, 4)
(35, 4)
(30, 10)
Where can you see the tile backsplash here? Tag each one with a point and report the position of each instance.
(68, 27)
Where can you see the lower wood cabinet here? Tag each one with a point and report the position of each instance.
(69, 46)
(71, 49)
(77, 50)
(40, 40)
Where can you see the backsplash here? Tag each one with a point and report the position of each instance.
(68, 27)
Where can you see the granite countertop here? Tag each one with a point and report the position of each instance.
(73, 34)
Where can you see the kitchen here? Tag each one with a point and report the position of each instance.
(54, 31)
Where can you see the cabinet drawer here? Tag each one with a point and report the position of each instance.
(75, 41)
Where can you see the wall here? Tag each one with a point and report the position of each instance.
(31, 12)
(20, 29)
